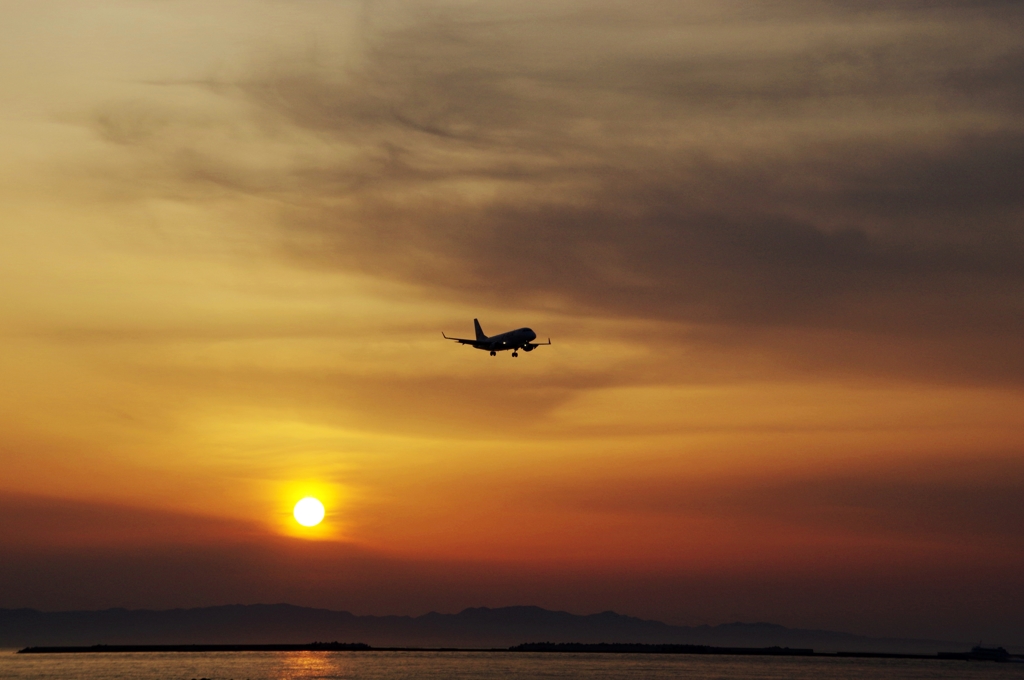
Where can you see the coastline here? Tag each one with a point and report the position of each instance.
(531, 648)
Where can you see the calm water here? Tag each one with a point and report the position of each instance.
(471, 666)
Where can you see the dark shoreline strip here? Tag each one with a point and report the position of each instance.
(533, 647)
(308, 647)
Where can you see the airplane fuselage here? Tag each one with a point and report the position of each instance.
(513, 340)
(519, 339)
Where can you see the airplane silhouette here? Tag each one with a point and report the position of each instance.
(519, 339)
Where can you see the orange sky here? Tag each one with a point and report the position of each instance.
(779, 253)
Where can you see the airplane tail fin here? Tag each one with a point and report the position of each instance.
(479, 332)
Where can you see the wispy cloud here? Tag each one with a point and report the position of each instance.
(814, 166)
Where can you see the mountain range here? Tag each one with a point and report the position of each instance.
(478, 627)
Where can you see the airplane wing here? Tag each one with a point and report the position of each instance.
(461, 341)
(538, 344)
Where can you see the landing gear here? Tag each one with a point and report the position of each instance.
(493, 353)
(515, 354)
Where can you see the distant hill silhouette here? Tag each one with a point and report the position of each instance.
(475, 627)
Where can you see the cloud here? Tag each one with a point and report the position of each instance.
(40, 521)
(819, 166)
(973, 499)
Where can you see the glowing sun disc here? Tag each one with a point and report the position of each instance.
(309, 512)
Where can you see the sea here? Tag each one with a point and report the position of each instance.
(476, 666)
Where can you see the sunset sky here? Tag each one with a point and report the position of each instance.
(778, 248)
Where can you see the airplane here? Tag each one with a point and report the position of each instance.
(519, 339)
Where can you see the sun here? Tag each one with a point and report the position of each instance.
(309, 512)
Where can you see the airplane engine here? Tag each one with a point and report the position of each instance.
(528, 348)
